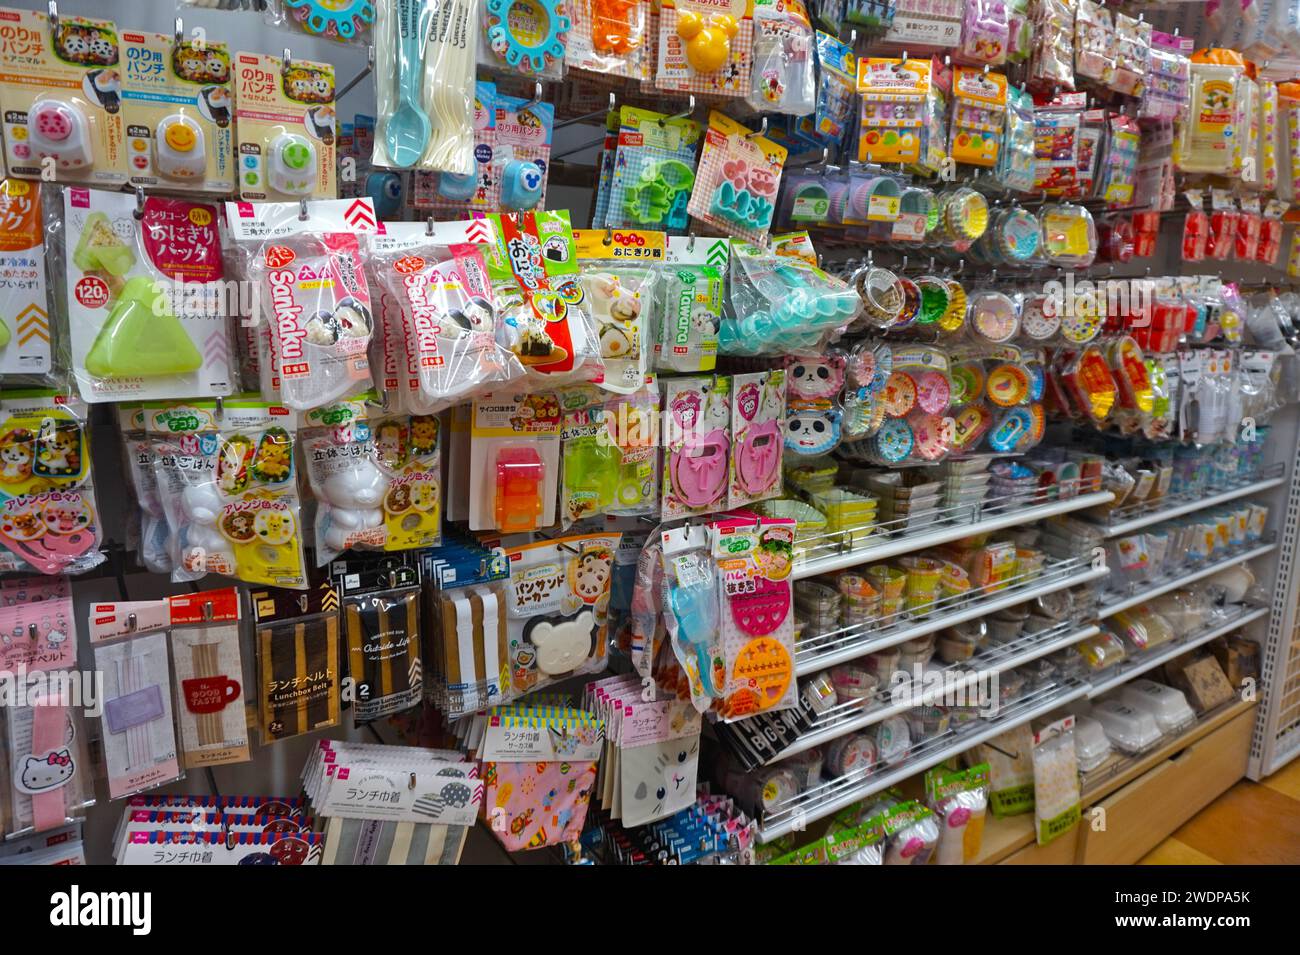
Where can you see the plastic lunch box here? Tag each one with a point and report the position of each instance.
(1130, 730)
(1167, 705)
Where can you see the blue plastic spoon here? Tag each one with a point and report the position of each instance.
(407, 132)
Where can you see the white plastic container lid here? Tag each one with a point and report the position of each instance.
(1166, 704)
(1090, 743)
(1130, 730)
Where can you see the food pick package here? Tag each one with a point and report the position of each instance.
(60, 91)
(145, 311)
(176, 107)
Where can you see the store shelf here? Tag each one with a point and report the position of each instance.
(958, 678)
(904, 542)
(1166, 583)
(1002, 837)
(1126, 520)
(825, 650)
(830, 797)
(1149, 661)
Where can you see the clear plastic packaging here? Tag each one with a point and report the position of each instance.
(1130, 730)
(424, 79)
(1091, 746)
(1057, 799)
(1167, 705)
(451, 328)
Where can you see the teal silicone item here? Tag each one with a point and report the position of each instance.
(407, 132)
(333, 18)
(550, 45)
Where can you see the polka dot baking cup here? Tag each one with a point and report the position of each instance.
(934, 299)
(955, 317)
(1082, 320)
(970, 424)
(967, 382)
(993, 317)
(927, 432)
(900, 394)
(933, 392)
(1039, 317)
(1008, 385)
(894, 440)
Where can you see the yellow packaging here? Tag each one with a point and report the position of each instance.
(178, 114)
(286, 127)
(894, 109)
(1205, 140)
(61, 99)
(979, 106)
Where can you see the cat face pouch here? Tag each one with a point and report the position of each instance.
(48, 517)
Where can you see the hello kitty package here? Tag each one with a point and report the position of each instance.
(60, 93)
(179, 113)
(557, 609)
(45, 774)
(48, 517)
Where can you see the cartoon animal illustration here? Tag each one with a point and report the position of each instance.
(55, 639)
(563, 644)
(16, 456)
(60, 453)
(85, 45)
(390, 445)
(590, 573)
(670, 785)
(25, 526)
(812, 430)
(66, 517)
(42, 773)
(274, 527)
(239, 526)
(424, 433)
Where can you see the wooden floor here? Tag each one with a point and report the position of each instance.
(1250, 824)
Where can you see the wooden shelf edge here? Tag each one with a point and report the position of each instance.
(1002, 837)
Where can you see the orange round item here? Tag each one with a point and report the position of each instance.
(764, 669)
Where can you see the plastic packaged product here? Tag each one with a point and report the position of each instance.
(1010, 758)
(926, 722)
(1132, 56)
(1205, 143)
(782, 75)
(912, 832)
(1052, 63)
(1102, 651)
(1095, 41)
(893, 740)
(819, 694)
(894, 109)
(1166, 704)
(1091, 746)
(853, 683)
(1130, 730)
(1057, 799)
(986, 34)
(1143, 628)
(959, 800)
(855, 753)
(1069, 235)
